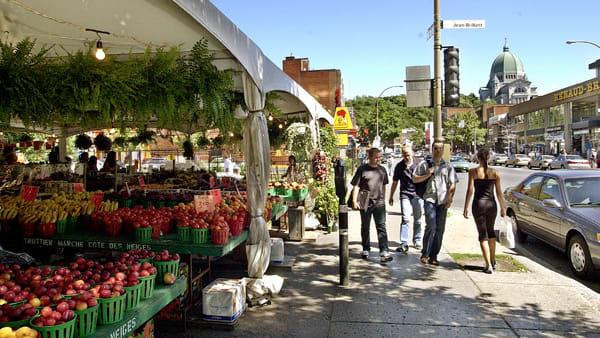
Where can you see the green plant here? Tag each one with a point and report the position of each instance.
(299, 139)
(83, 141)
(326, 201)
(120, 142)
(329, 141)
(102, 142)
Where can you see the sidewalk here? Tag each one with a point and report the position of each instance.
(405, 298)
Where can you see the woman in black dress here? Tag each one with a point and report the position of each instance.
(484, 209)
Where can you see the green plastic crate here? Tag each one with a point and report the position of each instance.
(111, 309)
(143, 235)
(66, 330)
(165, 267)
(134, 295)
(87, 321)
(148, 286)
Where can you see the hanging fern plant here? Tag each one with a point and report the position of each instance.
(144, 136)
(103, 142)
(203, 142)
(120, 142)
(188, 150)
(83, 142)
(218, 141)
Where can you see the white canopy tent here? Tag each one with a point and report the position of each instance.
(136, 24)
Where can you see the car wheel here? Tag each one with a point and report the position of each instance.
(529, 166)
(519, 235)
(579, 256)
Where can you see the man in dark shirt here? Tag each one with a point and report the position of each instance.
(410, 203)
(372, 177)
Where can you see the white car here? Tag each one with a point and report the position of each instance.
(154, 164)
(570, 162)
(518, 160)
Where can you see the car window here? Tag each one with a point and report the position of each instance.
(532, 186)
(574, 157)
(548, 157)
(550, 190)
(583, 191)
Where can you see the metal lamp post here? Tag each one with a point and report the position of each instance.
(377, 108)
(569, 42)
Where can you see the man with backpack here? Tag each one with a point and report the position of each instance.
(410, 202)
(440, 181)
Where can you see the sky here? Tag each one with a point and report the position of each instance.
(372, 42)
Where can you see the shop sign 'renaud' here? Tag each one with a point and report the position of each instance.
(577, 91)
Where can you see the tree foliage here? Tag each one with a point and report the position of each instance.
(464, 135)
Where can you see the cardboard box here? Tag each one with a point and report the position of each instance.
(224, 300)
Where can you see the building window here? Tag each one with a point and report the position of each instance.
(583, 110)
(556, 116)
(536, 119)
(517, 123)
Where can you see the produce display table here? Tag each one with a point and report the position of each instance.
(163, 295)
(101, 241)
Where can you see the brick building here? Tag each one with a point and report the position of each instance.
(322, 84)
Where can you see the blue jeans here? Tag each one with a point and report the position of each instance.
(435, 224)
(411, 207)
(378, 213)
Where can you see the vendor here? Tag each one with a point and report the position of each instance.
(92, 166)
(110, 164)
(228, 164)
(83, 159)
(292, 170)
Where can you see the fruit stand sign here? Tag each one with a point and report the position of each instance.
(141, 180)
(216, 195)
(342, 119)
(204, 203)
(225, 182)
(29, 192)
(78, 187)
(97, 198)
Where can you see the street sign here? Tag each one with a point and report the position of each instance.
(430, 31)
(463, 24)
(342, 119)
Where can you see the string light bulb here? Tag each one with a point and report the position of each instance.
(100, 51)
(231, 134)
(270, 117)
(280, 126)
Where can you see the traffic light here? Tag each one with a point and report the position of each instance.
(451, 78)
(338, 99)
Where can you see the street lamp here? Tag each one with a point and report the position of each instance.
(377, 107)
(569, 42)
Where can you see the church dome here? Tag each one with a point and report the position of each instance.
(506, 62)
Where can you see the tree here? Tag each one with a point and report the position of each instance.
(462, 134)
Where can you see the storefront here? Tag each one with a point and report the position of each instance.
(567, 119)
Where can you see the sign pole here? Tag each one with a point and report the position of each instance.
(437, 82)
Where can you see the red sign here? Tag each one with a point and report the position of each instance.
(29, 192)
(204, 203)
(225, 182)
(211, 182)
(216, 195)
(78, 187)
(141, 180)
(97, 198)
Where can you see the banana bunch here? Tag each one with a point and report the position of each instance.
(109, 206)
(62, 214)
(11, 202)
(8, 214)
(50, 216)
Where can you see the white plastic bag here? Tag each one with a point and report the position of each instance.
(507, 236)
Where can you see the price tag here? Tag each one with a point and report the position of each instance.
(141, 180)
(29, 192)
(211, 182)
(225, 182)
(97, 198)
(216, 195)
(204, 203)
(78, 187)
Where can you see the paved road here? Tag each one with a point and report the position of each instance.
(533, 249)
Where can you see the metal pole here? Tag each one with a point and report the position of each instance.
(437, 83)
(340, 190)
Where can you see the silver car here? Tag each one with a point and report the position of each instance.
(541, 162)
(561, 208)
(570, 162)
(517, 160)
(498, 159)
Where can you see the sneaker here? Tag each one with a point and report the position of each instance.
(386, 257)
(402, 248)
(424, 259)
(494, 265)
(489, 270)
(418, 246)
(365, 254)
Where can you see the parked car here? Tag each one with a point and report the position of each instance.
(517, 160)
(570, 162)
(541, 162)
(561, 208)
(498, 159)
(154, 164)
(459, 163)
